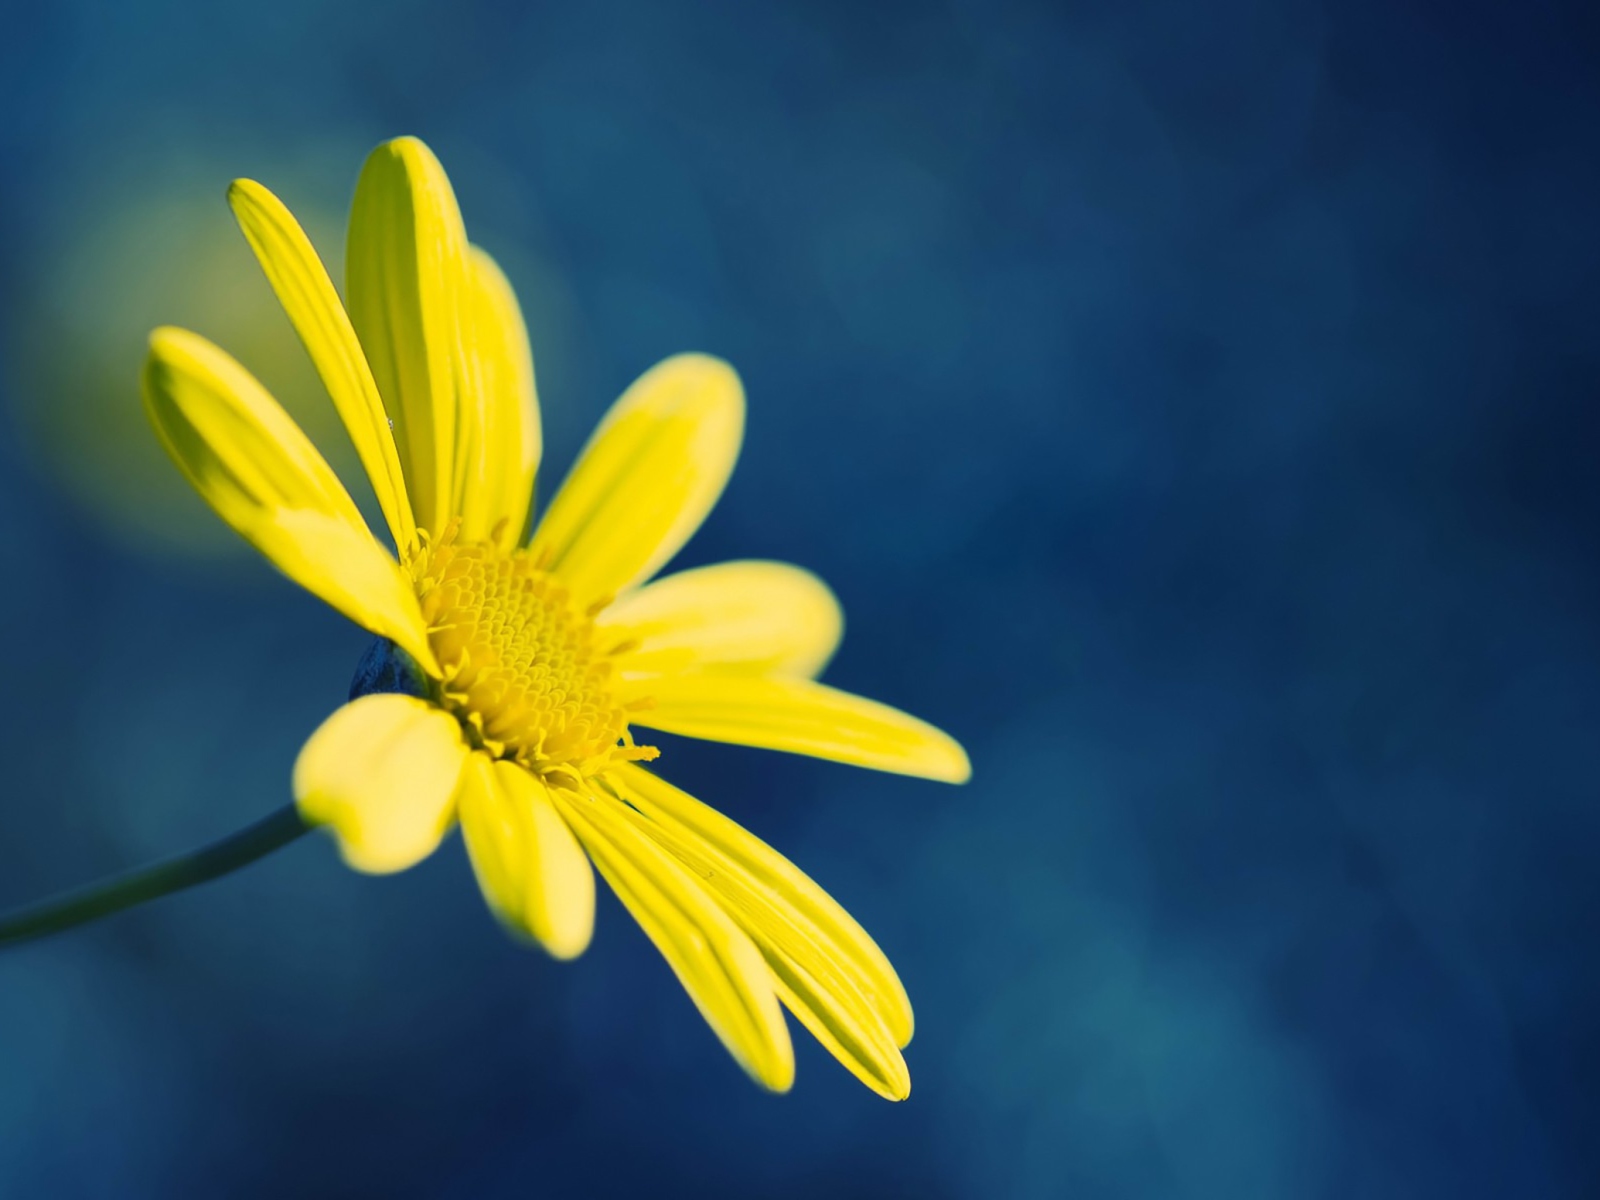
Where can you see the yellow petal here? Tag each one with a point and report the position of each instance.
(834, 977)
(303, 288)
(804, 718)
(252, 464)
(406, 277)
(496, 484)
(647, 478)
(839, 1017)
(753, 618)
(715, 961)
(381, 774)
(532, 871)
(781, 882)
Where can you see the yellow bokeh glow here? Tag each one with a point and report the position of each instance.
(172, 255)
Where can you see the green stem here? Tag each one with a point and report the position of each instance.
(200, 866)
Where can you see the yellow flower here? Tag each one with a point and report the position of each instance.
(509, 676)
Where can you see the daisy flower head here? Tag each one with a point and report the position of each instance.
(515, 676)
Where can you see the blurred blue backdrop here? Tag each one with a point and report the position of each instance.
(1193, 406)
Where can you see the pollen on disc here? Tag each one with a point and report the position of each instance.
(524, 669)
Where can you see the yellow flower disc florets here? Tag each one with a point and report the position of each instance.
(525, 670)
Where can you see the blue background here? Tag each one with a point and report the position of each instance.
(1192, 405)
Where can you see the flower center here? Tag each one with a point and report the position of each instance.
(525, 670)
